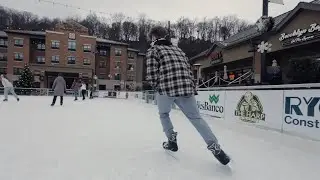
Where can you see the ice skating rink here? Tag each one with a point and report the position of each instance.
(118, 139)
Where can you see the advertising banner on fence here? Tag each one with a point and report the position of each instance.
(301, 113)
(211, 103)
(255, 107)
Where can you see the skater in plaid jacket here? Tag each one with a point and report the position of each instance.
(170, 75)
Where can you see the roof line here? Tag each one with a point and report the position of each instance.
(301, 5)
(288, 16)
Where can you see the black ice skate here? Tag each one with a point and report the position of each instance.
(171, 144)
(221, 156)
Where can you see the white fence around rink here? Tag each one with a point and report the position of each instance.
(290, 109)
(70, 92)
(285, 108)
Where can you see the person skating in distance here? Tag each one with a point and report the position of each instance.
(8, 87)
(170, 75)
(59, 88)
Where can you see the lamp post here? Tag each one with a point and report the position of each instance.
(265, 9)
(265, 14)
(197, 67)
(95, 86)
(95, 77)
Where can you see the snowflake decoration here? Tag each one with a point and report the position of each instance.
(264, 46)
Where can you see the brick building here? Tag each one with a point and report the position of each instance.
(69, 49)
(3, 52)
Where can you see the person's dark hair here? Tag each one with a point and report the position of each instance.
(59, 74)
(158, 32)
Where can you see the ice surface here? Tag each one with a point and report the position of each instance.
(113, 139)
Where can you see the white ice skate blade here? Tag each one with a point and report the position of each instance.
(172, 154)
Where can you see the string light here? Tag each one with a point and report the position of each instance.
(72, 6)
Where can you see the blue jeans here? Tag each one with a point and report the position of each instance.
(188, 106)
(76, 93)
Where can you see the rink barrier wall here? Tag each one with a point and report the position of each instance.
(294, 110)
(70, 92)
(36, 91)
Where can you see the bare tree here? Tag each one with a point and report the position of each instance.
(203, 29)
(184, 27)
(130, 29)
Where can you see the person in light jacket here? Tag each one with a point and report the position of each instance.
(76, 86)
(83, 90)
(8, 87)
(59, 88)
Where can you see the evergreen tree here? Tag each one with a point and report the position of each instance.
(26, 78)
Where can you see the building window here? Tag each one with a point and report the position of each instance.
(131, 55)
(130, 67)
(117, 52)
(102, 87)
(117, 77)
(18, 42)
(41, 46)
(72, 46)
(86, 61)
(87, 48)
(3, 43)
(130, 78)
(71, 60)
(55, 44)
(18, 56)
(102, 64)
(17, 71)
(117, 65)
(3, 70)
(41, 60)
(55, 59)
(102, 52)
(3, 57)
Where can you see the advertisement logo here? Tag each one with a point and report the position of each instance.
(211, 105)
(214, 98)
(250, 109)
(301, 111)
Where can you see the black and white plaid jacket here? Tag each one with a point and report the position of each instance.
(168, 70)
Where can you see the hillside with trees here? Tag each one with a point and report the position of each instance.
(195, 35)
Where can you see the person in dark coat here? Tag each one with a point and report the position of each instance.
(76, 86)
(91, 91)
(59, 88)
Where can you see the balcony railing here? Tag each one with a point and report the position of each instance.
(3, 59)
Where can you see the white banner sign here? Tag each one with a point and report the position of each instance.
(301, 113)
(298, 33)
(211, 103)
(255, 107)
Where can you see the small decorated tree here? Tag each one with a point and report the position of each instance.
(25, 80)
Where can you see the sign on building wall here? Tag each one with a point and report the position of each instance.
(300, 35)
(255, 107)
(72, 36)
(216, 57)
(301, 113)
(211, 103)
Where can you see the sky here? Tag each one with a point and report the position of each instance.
(159, 10)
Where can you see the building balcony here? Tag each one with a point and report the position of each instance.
(37, 63)
(3, 59)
